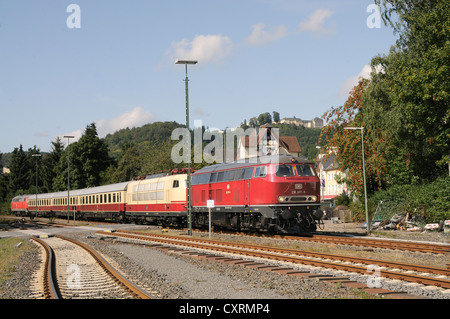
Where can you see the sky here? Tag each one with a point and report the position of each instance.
(66, 64)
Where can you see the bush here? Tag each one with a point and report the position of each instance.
(430, 202)
(342, 199)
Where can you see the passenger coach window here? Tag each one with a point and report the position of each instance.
(284, 170)
(176, 184)
(304, 170)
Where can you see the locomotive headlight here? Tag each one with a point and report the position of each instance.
(283, 199)
(313, 198)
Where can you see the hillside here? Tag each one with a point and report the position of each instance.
(151, 133)
(158, 132)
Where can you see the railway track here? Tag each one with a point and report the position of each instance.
(73, 270)
(411, 273)
(378, 243)
(434, 248)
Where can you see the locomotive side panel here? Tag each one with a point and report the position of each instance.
(281, 197)
(19, 205)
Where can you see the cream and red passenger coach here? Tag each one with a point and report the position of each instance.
(102, 202)
(279, 194)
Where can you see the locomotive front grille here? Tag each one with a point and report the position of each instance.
(297, 199)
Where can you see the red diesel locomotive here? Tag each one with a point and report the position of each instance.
(278, 194)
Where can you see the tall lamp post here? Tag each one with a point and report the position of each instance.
(320, 175)
(36, 155)
(364, 174)
(186, 62)
(68, 175)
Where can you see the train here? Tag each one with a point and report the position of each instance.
(272, 195)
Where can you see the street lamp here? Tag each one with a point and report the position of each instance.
(36, 155)
(68, 177)
(321, 184)
(186, 62)
(364, 173)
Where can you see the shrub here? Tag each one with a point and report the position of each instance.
(430, 202)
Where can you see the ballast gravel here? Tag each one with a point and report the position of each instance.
(173, 276)
(170, 275)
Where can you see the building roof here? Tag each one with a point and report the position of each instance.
(330, 163)
(289, 143)
(85, 191)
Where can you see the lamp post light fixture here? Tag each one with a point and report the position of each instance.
(68, 177)
(36, 155)
(364, 173)
(186, 62)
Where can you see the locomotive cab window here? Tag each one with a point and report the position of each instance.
(213, 178)
(304, 170)
(260, 171)
(248, 173)
(284, 171)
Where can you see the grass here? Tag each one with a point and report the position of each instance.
(10, 255)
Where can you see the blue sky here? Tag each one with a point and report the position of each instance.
(117, 69)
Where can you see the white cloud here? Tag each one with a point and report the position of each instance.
(135, 118)
(315, 22)
(41, 134)
(201, 112)
(348, 84)
(260, 37)
(76, 136)
(204, 48)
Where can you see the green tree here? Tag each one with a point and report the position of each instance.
(89, 159)
(347, 144)
(4, 181)
(264, 118)
(49, 169)
(35, 167)
(19, 181)
(276, 116)
(253, 122)
(129, 165)
(408, 99)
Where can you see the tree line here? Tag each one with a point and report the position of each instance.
(121, 156)
(404, 108)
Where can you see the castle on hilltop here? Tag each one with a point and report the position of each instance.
(315, 123)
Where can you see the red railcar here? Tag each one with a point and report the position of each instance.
(279, 194)
(19, 205)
